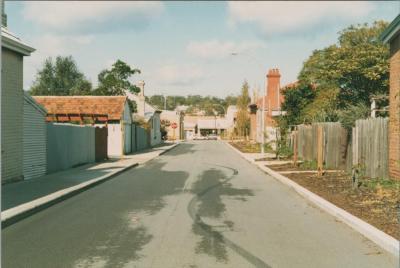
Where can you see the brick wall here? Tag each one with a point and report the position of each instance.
(394, 110)
(11, 115)
(274, 98)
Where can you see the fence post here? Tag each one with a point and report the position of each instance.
(320, 150)
(295, 148)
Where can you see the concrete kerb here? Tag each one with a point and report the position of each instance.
(380, 238)
(15, 214)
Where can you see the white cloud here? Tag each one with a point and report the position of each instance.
(87, 15)
(215, 49)
(282, 17)
(179, 75)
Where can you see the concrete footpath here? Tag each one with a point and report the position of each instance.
(21, 199)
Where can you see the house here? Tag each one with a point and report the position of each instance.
(392, 36)
(171, 118)
(34, 138)
(147, 113)
(196, 125)
(271, 104)
(13, 51)
(112, 112)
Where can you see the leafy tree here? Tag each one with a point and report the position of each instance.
(323, 107)
(60, 78)
(157, 101)
(243, 120)
(195, 102)
(296, 98)
(230, 100)
(352, 113)
(358, 65)
(115, 81)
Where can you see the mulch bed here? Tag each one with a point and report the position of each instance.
(246, 147)
(379, 206)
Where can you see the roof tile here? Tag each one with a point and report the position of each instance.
(113, 106)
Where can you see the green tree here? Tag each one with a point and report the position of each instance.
(230, 100)
(357, 66)
(115, 81)
(157, 101)
(296, 98)
(60, 78)
(243, 120)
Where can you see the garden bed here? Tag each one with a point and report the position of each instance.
(250, 147)
(374, 201)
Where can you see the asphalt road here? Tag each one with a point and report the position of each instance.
(199, 205)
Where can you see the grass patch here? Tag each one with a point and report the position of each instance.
(308, 165)
(384, 183)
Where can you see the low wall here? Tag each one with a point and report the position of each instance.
(69, 146)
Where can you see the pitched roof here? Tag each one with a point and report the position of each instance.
(11, 41)
(391, 31)
(34, 103)
(112, 106)
(147, 107)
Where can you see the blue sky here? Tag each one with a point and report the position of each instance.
(185, 47)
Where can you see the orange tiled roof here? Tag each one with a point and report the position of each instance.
(112, 106)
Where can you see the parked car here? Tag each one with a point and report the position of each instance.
(212, 137)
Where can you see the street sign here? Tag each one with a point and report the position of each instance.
(174, 125)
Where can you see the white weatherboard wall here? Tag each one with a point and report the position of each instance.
(11, 115)
(114, 140)
(34, 139)
(155, 133)
(69, 146)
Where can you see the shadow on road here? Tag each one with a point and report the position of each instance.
(106, 220)
(147, 188)
(210, 189)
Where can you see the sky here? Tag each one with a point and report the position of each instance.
(182, 48)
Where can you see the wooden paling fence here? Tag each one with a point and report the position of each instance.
(370, 147)
(366, 148)
(334, 144)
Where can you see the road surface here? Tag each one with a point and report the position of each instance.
(199, 205)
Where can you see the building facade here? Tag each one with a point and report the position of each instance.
(171, 117)
(34, 139)
(392, 36)
(270, 104)
(112, 112)
(148, 113)
(13, 50)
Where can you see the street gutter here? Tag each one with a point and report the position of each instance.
(15, 214)
(380, 238)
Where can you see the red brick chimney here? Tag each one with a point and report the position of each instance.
(274, 97)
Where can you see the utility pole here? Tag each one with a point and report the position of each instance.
(263, 120)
